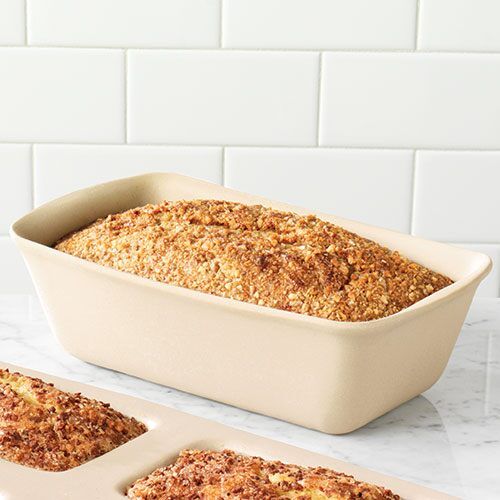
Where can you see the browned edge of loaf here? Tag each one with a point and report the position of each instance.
(259, 255)
(213, 475)
(49, 429)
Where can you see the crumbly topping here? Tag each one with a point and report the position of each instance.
(259, 255)
(214, 475)
(45, 428)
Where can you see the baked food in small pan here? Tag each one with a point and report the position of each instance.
(49, 429)
(214, 475)
(259, 255)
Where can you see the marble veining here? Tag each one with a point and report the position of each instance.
(448, 438)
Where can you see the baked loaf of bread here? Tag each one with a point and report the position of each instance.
(45, 428)
(213, 475)
(259, 255)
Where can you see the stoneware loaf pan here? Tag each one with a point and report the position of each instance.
(169, 431)
(327, 375)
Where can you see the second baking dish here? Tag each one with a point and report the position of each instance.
(109, 476)
(332, 376)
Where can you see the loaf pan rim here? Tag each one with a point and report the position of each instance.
(339, 327)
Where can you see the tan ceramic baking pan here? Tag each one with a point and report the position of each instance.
(327, 375)
(169, 432)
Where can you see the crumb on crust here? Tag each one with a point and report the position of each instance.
(259, 255)
(45, 428)
(214, 475)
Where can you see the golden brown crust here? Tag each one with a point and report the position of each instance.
(215, 475)
(259, 255)
(45, 428)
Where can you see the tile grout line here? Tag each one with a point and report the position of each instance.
(221, 16)
(223, 166)
(260, 49)
(413, 194)
(26, 23)
(417, 24)
(320, 77)
(260, 146)
(32, 159)
(125, 93)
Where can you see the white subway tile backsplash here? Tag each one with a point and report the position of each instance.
(12, 29)
(462, 25)
(457, 196)
(316, 24)
(216, 97)
(87, 76)
(15, 183)
(490, 287)
(413, 100)
(14, 276)
(124, 23)
(62, 169)
(61, 95)
(370, 186)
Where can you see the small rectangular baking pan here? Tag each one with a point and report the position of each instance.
(327, 375)
(169, 431)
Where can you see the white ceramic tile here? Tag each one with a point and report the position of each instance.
(216, 97)
(61, 95)
(462, 25)
(490, 287)
(411, 100)
(62, 169)
(15, 183)
(457, 196)
(370, 186)
(124, 23)
(384, 24)
(14, 277)
(12, 22)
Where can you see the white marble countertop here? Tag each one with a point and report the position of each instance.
(447, 439)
